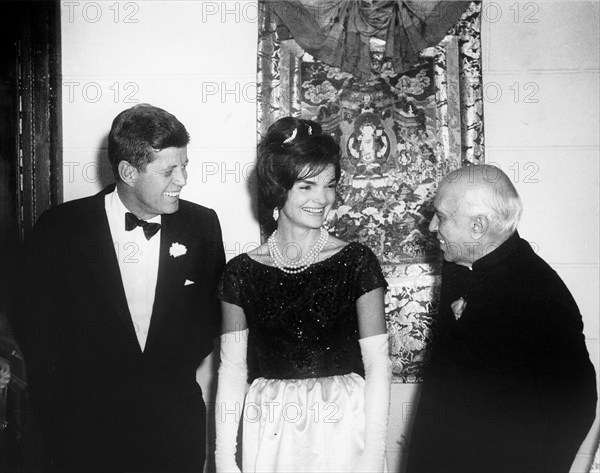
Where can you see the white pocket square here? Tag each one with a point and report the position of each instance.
(188, 282)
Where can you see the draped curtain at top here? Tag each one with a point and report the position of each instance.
(338, 32)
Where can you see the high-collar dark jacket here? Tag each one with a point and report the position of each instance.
(101, 404)
(510, 386)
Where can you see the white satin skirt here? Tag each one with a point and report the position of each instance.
(304, 425)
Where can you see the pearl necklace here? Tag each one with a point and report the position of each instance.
(295, 267)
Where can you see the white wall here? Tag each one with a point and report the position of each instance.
(550, 138)
(197, 60)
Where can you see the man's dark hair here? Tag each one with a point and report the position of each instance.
(139, 132)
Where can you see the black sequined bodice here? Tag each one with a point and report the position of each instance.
(303, 325)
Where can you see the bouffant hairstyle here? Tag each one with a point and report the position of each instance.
(138, 132)
(292, 149)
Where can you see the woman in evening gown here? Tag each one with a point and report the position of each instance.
(309, 308)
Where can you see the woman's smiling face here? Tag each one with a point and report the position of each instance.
(310, 199)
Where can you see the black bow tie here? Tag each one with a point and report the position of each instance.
(150, 229)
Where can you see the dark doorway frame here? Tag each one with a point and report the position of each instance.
(30, 183)
(30, 122)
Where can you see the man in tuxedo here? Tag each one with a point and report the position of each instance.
(120, 309)
(510, 387)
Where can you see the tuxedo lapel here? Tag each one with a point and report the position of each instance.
(169, 275)
(105, 268)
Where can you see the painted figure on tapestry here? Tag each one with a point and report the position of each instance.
(510, 386)
(309, 308)
(368, 144)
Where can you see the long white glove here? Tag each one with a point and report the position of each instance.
(233, 373)
(378, 374)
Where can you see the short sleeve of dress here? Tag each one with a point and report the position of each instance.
(230, 285)
(368, 272)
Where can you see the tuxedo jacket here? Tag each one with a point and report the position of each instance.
(101, 403)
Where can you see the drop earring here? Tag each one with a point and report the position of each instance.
(275, 214)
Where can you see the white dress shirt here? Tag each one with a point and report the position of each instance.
(138, 263)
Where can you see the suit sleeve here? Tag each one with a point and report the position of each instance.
(216, 265)
(564, 374)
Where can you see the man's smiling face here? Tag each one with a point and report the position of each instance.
(156, 188)
(453, 225)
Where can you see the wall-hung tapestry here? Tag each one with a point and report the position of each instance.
(398, 84)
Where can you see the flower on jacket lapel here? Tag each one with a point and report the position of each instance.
(177, 249)
(458, 307)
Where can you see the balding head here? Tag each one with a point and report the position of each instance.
(477, 209)
(487, 191)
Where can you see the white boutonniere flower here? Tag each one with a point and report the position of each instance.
(177, 249)
(458, 307)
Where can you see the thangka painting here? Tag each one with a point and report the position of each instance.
(399, 134)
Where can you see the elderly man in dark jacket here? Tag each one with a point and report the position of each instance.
(510, 387)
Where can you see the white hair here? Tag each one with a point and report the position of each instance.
(489, 192)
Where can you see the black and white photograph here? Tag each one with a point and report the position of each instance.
(299, 236)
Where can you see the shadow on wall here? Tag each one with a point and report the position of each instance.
(252, 187)
(100, 171)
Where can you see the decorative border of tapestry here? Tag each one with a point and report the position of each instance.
(399, 132)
